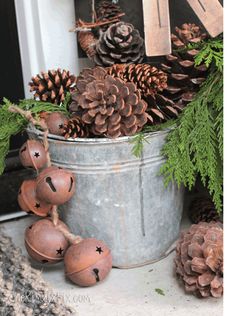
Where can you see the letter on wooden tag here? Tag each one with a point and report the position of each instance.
(210, 13)
(157, 27)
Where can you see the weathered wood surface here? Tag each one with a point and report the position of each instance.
(210, 13)
(156, 27)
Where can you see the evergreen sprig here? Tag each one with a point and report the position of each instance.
(195, 146)
(139, 139)
(12, 123)
(211, 53)
(138, 144)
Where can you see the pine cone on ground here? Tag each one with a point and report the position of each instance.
(120, 43)
(202, 209)
(75, 129)
(184, 78)
(107, 10)
(199, 259)
(108, 106)
(52, 86)
(149, 80)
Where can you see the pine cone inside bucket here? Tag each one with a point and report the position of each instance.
(149, 80)
(75, 129)
(199, 259)
(184, 78)
(120, 43)
(202, 209)
(52, 86)
(108, 106)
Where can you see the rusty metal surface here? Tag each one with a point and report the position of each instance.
(88, 262)
(119, 198)
(44, 242)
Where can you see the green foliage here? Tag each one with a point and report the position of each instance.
(13, 123)
(160, 292)
(196, 145)
(211, 52)
(138, 143)
(139, 139)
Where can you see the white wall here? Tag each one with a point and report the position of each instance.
(45, 40)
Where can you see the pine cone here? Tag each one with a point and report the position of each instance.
(199, 259)
(75, 129)
(202, 209)
(52, 86)
(184, 78)
(87, 41)
(108, 106)
(149, 80)
(120, 43)
(107, 10)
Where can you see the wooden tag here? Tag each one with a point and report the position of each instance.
(157, 27)
(210, 13)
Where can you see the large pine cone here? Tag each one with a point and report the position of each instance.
(52, 86)
(108, 106)
(149, 80)
(75, 128)
(184, 79)
(120, 43)
(199, 259)
(202, 209)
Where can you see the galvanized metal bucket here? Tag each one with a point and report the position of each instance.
(120, 198)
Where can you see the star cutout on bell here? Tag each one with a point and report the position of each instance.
(37, 205)
(36, 154)
(59, 251)
(99, 249)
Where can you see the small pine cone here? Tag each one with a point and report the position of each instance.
(199, 259)
(202, 209)
(184, 78)
(150, 81)
(75, 129)
(87, 41)
(52, 86)
(120, 43)
(108, 106)
(107, 10)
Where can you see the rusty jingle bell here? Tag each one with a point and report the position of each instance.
(55, 123)
(28, 200)
(33, 154)
(88, 262)
(55, 185)
(44, 242)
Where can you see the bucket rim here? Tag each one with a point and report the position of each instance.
(103, 140)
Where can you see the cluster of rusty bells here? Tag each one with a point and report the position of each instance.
(48, 241)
